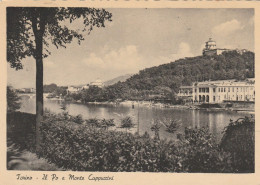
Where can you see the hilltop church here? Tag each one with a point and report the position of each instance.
(222, 90)
(211, 49)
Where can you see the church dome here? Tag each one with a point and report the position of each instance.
(210, 44)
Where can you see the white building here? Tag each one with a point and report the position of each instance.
(211, 48)
(73, 89)
(185, 92)
(27, 90)
(97, 83)
(220, 91)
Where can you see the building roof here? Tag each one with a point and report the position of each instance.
(231, 82)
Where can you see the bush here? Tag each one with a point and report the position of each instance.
(127, 123)
(200, 152)
(94, 122)
(85, 148)
(155, 127)
(77, 119)
(239, 140)
(171, 125)
(12, 100)
(21, 129)
(64, 116)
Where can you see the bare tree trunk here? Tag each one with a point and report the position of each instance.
(39, 97)
(38, 25)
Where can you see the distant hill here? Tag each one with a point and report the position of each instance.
(169, 77)
(113, 81)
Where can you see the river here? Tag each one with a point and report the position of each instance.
(215, 120)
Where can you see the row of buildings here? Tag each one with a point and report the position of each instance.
(26, 90)
(76, 89)
(219, 91)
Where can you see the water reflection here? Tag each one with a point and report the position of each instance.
(216, 121)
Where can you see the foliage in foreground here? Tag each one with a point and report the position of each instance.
(84, 147)
(239, 140)
(18, 159)
(12, 100)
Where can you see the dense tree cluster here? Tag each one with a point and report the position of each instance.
(229, 65)
(162, 82)
(55, 90)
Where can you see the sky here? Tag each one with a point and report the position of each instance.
(137, 39)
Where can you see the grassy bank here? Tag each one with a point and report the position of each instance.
(82, 147)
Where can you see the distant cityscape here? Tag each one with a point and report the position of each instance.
(70, 89)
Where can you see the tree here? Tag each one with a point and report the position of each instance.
(239, 140)
(171, 125)
(30, 31)
(155, 127)
(12, 100)
(127, 123)
(50, 88)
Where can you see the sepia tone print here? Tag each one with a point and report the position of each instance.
(130, 89)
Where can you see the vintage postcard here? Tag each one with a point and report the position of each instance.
(129, 92)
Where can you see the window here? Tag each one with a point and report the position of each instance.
(214, 89)
(229, 89)
(224, 89)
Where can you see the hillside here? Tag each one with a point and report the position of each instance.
(169, 77)
(163, 82)
(113, 81)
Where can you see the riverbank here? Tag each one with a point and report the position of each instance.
(239, 107)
